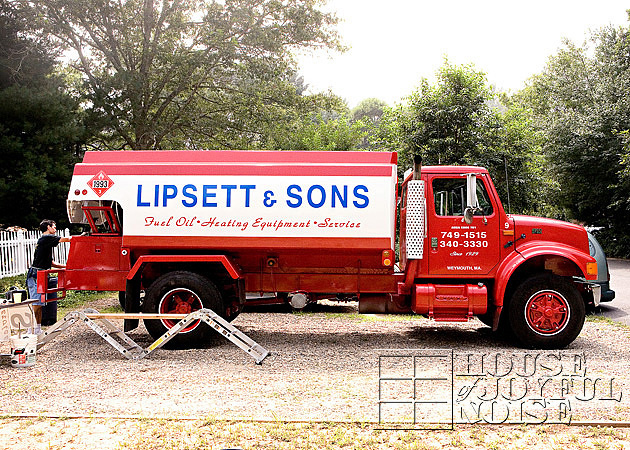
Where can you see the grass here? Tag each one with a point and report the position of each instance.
(73, 300)
(18, 281)
(81, 299)
(216, 434)
(601, 319)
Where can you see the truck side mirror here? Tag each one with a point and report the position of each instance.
(468, 215)
(472, 203)
(471, 192)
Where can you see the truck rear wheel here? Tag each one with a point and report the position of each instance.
(182, 293)
(546, 312)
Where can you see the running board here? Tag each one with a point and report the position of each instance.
(131, 350)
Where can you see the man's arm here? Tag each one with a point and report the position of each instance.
(61, 266)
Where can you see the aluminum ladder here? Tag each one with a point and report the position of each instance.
(131, 350)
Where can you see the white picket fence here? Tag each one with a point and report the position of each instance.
(17, 249)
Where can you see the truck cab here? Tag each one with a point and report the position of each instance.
(530, 276)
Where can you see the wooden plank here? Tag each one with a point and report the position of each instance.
(134, 316)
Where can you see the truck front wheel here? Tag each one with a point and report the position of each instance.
(182, 293)
(546, 312)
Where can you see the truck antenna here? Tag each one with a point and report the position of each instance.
(507, 184)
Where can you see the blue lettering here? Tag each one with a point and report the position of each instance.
(366, 200)
(247, 187)
(139, 201)
(322, 196)
(192, 197)
(296, 197)
(170, 192)
(343, 199)
(268, 201)
(228, 188)
(208, 195)
(317, 196)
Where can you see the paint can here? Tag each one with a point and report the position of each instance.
(23, 349)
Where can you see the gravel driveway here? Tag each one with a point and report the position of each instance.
(323, 366)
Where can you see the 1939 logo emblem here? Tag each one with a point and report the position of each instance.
(100, 183)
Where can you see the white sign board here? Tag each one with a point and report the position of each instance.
(14, 317)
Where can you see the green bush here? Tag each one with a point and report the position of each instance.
(18, 281)
(72, 299)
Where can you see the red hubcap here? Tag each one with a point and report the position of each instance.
(547, 312)
(179, 301)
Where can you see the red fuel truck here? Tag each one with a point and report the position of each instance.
(176, 231)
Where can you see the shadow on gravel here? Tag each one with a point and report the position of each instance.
(609, 311)
(421, 336)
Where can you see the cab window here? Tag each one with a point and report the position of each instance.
(449, 197)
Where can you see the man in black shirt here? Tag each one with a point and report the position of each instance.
(42, 260)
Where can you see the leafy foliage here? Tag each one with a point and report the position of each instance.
(40, 128)
(183, 73)
(370, 108)
(23, 60)
(461, 121)
(17, 281)
(328, 130)
(368, 113)
(40, 138)
(581, 103)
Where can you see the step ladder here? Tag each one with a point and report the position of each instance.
(99, 322)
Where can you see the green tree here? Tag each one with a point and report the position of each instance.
(370, 108)
(41, 138)
(582, 105)
(40, 127)
(369, 113)
(22, 60)
(316, 133)
(184, 73)
(461, 120)
(448, 117)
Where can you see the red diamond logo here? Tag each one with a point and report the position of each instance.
(100, 183)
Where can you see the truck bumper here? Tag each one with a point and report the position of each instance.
(597, 293)
(608, 295)
(44, 285)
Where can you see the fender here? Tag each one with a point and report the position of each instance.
(132, 291)
(232, 269)
(527, 251)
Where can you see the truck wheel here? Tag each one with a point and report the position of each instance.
(546, 312)
(182, 293)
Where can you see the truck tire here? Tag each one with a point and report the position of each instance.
(182, 293)
(546, 312)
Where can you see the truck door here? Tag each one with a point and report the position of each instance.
(455, 247)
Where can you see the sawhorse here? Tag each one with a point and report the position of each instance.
(131, 350)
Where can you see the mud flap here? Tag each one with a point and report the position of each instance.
(132, 303)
